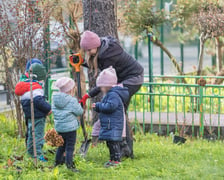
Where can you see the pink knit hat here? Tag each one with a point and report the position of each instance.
(90, 40)
(107, 78)
(65, 84)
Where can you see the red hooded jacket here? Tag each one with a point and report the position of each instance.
(23, 87)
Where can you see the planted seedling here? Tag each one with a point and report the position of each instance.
(181, 130)
(211, 136)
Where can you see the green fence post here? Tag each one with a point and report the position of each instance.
(168, 111)
(150, 71)
(136, 50)
(47, 49)
(201, 111)
(50, 95)
(219, 112)
(49, 90)
(162, 40)
(143, 104)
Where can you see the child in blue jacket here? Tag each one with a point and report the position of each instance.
(66, 109)
(111, 113)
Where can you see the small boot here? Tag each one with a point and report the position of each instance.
(72, 168)
(115, 163)
(125, 149)
(108, 164)
(58, 163)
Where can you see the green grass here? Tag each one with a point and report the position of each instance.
(156, 158)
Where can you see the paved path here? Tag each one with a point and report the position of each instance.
(171, 118)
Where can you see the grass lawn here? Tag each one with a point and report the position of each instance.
(155, 158)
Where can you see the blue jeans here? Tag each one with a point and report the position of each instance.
(68, 147)
(39, 136)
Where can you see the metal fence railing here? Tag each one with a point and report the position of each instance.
(167, 105)
(172, 105)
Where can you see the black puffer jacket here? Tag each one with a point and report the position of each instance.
(112, 54)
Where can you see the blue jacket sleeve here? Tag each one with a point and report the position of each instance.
(109, 106)
(76, 107)
(42, 105)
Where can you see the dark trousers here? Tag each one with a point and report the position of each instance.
(132, 89)
(68, 147)
(115, 151)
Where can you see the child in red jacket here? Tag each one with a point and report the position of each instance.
(41, 110)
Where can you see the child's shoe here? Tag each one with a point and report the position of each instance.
(73, 168)
(42, 158)
(58, 163)
(115, 163)
(108, 164)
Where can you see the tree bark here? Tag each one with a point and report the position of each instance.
(99, 17)
(157, 42)
(218, 45)
(10, 80)
(201, 55)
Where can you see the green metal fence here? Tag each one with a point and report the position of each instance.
(196, 108)
(167, 105)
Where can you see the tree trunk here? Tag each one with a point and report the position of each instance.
(10, 79)
(218, 54)
(19, 117)
(201, 55)
(99, 17)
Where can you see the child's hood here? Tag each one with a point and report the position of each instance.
(122, 92)
(60, 100)
(23, 87)
(110, 47)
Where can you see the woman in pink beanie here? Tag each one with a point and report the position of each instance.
(105, 52)
(111, 113)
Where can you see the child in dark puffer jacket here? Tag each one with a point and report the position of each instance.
(111, 113)
(41, 109)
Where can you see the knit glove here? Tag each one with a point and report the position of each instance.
(83, 100)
